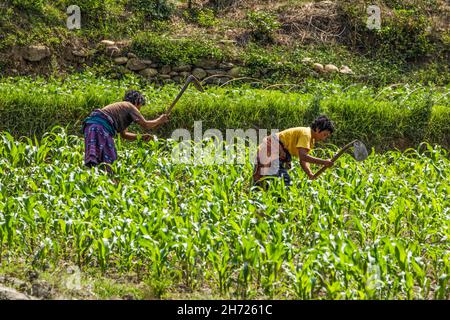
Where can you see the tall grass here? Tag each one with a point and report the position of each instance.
(386, 118)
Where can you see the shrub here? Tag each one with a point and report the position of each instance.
(154, 9)
(203, 17)
(405, 35)
(29, 5)
(262, 25)
(206, 18)
(412, 4)
(173, 51)
(93, 12)
(222, 4)
(257, 58)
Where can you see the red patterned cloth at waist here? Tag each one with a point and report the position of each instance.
(270, 150)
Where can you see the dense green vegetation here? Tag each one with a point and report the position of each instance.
(175, 51)
(157, 228)
(385, 118)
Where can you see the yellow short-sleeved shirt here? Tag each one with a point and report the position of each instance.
(295, 138)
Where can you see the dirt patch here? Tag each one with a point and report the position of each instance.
(312, 23)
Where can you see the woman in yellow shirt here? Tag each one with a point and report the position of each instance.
(276, 151)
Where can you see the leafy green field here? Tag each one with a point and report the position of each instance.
(372, 230)
(377, 229)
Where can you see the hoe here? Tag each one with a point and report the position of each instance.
(189, 79)
(359, 153)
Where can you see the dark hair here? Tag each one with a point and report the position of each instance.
(323, 123)
(134, 97)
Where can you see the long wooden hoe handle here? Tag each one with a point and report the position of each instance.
(336, 156)
(189, 79)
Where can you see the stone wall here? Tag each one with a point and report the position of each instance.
(207, 70)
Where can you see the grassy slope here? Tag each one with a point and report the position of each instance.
(386, 118)
(275, 61)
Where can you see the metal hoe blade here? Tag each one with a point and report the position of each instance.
(190, 79)
(197, 84)
(360, 151)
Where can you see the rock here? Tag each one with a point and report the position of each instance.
(199, 73)
(11, 294)
(107, 43)
(184, 75)
(136, 65)
(226, 66)
(32, 275)
(215, 72)
(121, 60)
(112, 51)
(149, 72)
(226, 41)
(36, 53)
(173, 73)
(165, 70)
(330, 68)
(212, 80)
(177, 79)
(182, 68)
(82, 53)
(346, 70)
(318, 67)
(307, 60)
(128, 296)
(17, 283)
(147, 62)
(164, 76)
(235, 72)
(154, 65)
(223, 80)
(131, 55)
(41, 289)
(207, 64)
(123, 43)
